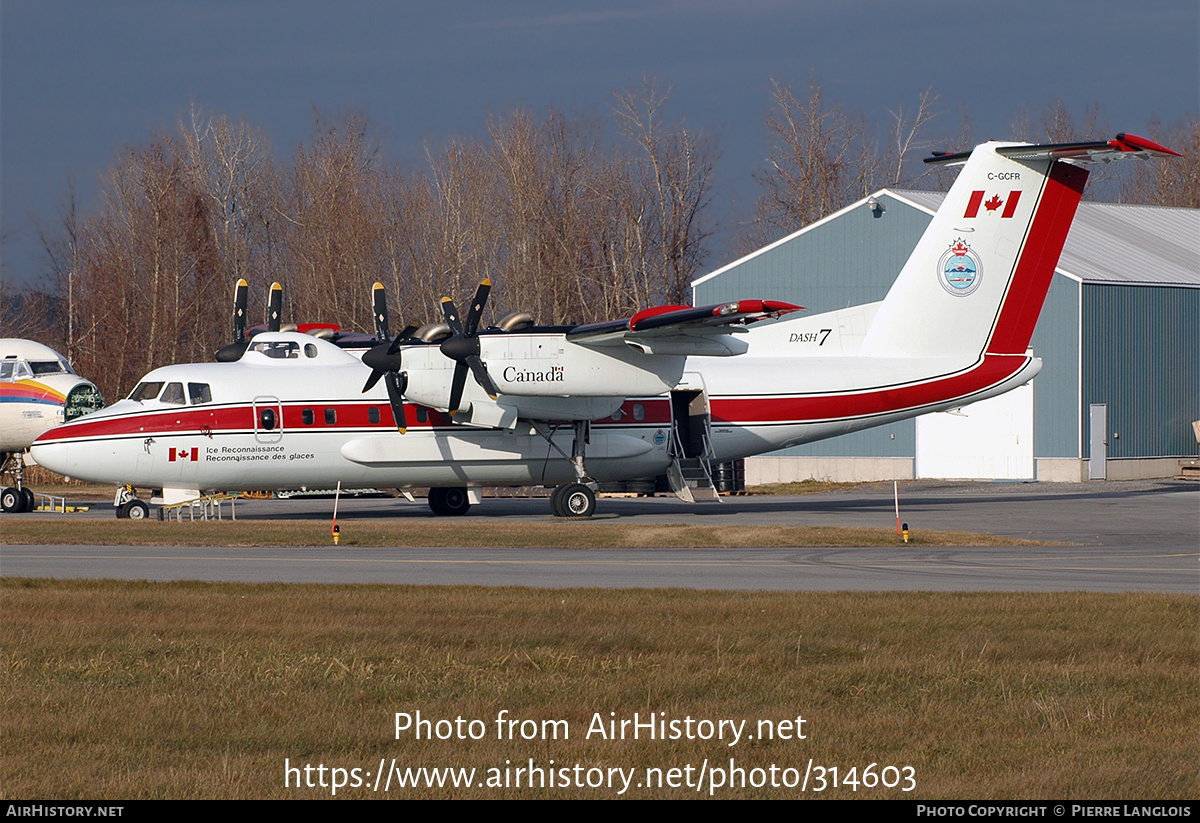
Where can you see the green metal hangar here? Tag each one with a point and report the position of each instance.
(1118, 336)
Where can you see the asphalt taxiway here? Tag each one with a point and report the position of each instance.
(1137, 536)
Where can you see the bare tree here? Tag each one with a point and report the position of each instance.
(820, 159)
(681, 168)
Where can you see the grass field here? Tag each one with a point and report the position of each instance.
(139, 690)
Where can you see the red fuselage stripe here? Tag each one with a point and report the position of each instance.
(818, 408)
(348, 416)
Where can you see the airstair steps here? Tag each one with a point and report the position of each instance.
(691, 481)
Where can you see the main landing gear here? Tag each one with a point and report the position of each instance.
(14, 499)
(453, 501)
(575, 501)
(128, 506)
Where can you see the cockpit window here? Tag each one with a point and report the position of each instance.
(146, 391)
(199, 393)
(173, 393)
(279, 349)
(15, 370)
(41, 367)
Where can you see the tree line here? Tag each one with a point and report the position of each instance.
(574, 217)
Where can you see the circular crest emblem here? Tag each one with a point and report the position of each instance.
(959, 269)
(660, 437)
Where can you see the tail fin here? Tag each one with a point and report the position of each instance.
(977, 279)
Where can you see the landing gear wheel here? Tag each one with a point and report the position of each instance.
(11, 500)
(556, 501)
(449, 502)
(30, 503)
(133, 510)
(575, 501)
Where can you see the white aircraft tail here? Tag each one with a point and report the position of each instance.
(977, 279)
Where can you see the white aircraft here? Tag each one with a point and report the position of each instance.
(667, 391)
(38, 390)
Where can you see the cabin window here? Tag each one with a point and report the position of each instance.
(618, 414)
(373, 414)
(266, 419)
(308, 417)
(199, 392)
(422, 414)
(330, 416)
(310, 349)
(146, 391)
(173, 394)
(639, 411)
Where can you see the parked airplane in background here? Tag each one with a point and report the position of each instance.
(38, 390)
(666, 391)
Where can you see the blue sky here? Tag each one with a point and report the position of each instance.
(79, 79)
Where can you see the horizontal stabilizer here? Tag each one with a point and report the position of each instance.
(1122, 147)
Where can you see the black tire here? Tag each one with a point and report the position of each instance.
(577, 502)
(134, 510)
(435, 502)
(449, 502)
(556, 501)
(30, 502)
(11, 500)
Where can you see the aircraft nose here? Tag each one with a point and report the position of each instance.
(49, 454)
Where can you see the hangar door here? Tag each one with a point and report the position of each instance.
(988, 440)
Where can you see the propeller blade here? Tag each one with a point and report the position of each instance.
(401, 337)
(232, 352)
(456, 386)
(451, 315)
(241, 294)
(372, 380)
(476, 311)
(396, 384)
(479, 369)
(274, 307)
(379, 301)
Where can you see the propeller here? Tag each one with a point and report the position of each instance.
(234, 351)
(384, 359)
(462, 346)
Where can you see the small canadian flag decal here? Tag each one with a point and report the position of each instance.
(183, 454)
(992, 204)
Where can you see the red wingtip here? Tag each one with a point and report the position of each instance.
(1131, 142)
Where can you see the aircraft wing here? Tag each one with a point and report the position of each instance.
(1122, 147)
(682, 330)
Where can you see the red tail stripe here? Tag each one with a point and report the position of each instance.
(1039, 257)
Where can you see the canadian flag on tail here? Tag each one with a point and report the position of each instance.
(184, 454)
(993, 203)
